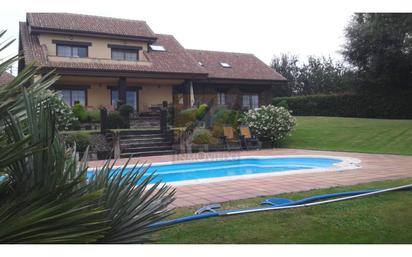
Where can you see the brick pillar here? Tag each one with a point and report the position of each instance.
(186, 94)
(122, 83)
(103, 120)
(163, 118)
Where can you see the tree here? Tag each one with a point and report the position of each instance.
(379, 45)
(287, 66)
(320, 75)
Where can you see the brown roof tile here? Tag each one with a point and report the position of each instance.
(68, 22)
(243, 66)
(174, 60)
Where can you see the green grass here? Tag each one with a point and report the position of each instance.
(385, 218)
(352, 134)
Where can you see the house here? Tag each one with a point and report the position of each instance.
(103, 61)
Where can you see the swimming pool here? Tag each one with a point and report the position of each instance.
(189, 172)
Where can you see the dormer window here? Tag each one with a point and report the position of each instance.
(72, 49)
(225, 65)
(125, 53)
(157, 48)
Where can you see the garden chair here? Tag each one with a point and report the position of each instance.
(248, 141)
(229, 140)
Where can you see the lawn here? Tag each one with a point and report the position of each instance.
(385, 218)
(352, 134)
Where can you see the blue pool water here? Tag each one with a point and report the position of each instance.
(215, 169)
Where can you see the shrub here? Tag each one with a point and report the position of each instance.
(185, 116)
(233, 118)
(225, 116)
(269, 123)
(79, 112)
(65, 118)
(201, 110)
(115, 121)
(217, 130)
(283, 103)
(81, 139)
(75, 125)
(390, 106)
(93, 116)
(125, 110)
(203, 136)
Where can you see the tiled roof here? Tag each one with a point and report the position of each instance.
(5, 78)
(174, 60)
(68, 22)
(243, 66)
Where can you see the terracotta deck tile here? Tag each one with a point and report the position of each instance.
(374, 167)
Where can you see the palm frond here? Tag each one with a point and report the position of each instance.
(132, 200)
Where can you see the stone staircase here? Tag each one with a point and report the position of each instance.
(144, 143)
(145, 121)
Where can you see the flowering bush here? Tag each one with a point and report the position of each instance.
(269, 123)
(63, 113)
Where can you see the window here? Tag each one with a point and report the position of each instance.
(131, 98)
(72, 50)
(125, 54)
(73, 96)
(158, 48)
(225, 65)
(221, 98)
(250, 101)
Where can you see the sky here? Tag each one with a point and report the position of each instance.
(264, 28)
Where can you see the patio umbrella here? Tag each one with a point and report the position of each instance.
(192, 95)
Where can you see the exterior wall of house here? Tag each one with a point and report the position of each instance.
(154, 94)
(98, 50)
(98, 95)
(151, 91)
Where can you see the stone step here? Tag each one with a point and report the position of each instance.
(146, 153)
(144, 140)
(154, 124)
(145, 144)
(143, 127)
(140, 132)
(146, 118)
(141, 136)
(145, 149)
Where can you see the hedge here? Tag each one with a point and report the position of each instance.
(392, 106)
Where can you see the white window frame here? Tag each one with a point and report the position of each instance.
(250, 101)
(221, 98)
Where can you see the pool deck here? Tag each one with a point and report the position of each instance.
(374, 167)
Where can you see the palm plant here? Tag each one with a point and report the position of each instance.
(45, 196)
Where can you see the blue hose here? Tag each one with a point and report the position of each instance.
(288, 202)
(184, 219)
(284, 204)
